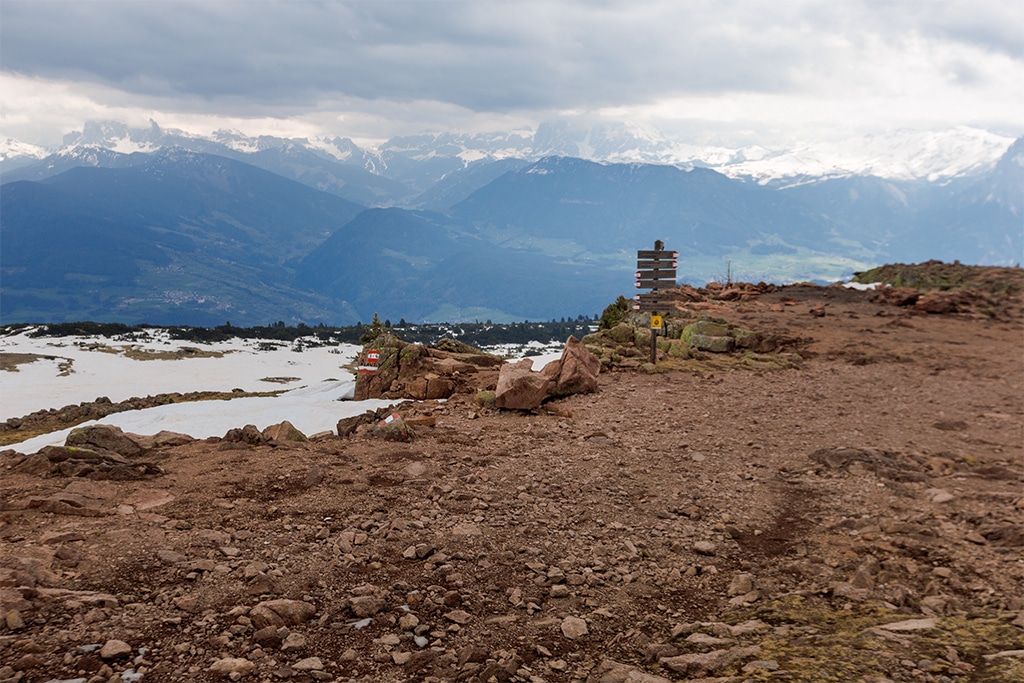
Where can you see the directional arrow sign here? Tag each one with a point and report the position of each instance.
(650, 308)
(660, 265)
(652, 302)
(667, 274)
(660, 255)
(655, 284)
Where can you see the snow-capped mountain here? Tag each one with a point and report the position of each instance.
(419, 161)
(15, 154)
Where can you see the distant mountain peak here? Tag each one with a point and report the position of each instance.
(421, 160)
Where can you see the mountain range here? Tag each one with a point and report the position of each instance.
(150, 225)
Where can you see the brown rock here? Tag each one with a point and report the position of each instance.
(82, 454)
(419, 661)
(393, 428)
(104, 437)
(519, 388)
(13, 620)
(348, 425)
(610, 671)
(574, 627)
(575, 372)
(282, 612)
(937, 302)
(162, 439)
(38, 465)
(29, 661)
(283, 431)
(248, 434)
(232, 665)
(696, 665)
(429, 388)
(268, 637)
(459, 617)
(365, 605)
(115, 649)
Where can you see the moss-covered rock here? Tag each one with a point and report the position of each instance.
(484, 399)
(455, 346)
(745, 339)
(709, 327)
(711, 344)
(622, 334)
(677, 349)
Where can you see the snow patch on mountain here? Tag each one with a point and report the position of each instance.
(901, 155)
(13, 149)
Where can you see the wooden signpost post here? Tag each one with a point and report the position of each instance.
(656, 270)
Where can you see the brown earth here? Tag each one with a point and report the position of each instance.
(858, 517)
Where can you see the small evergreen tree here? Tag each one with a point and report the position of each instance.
(615, 313)
(373, 330)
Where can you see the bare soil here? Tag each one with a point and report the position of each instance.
(775, 521)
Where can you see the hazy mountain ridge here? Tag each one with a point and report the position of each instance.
(180, 236)
(418, 161)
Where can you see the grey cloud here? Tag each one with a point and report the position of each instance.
(478, 55)
(483, 56)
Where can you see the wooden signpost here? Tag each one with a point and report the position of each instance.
(656, 270)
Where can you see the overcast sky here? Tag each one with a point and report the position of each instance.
(725, 71)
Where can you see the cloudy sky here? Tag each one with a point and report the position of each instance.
(712, 71)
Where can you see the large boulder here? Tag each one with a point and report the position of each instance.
(520, 388)
(104, 437)
(575, 372)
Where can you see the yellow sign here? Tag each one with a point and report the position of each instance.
(655, 322)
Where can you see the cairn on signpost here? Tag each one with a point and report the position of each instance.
(656, 270)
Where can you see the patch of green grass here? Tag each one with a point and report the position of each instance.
(826, 643)
(936, 275)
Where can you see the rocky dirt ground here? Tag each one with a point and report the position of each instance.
(857, 517)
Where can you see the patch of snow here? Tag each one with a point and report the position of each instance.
(11, 149)
(329, 146)
(321, 393)
(106, 371)
(468, 156)
(126, 145)
(863, 287)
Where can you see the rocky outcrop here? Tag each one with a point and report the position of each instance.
(418, 372)
(99, 452)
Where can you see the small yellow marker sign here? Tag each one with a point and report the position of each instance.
(655, 322)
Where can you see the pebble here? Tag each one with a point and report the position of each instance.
(14, 620)
(309, 664)
(459, 617)
(115, 649)
(294, 641)
(574, 627)
(704, 548)
(232, 665)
